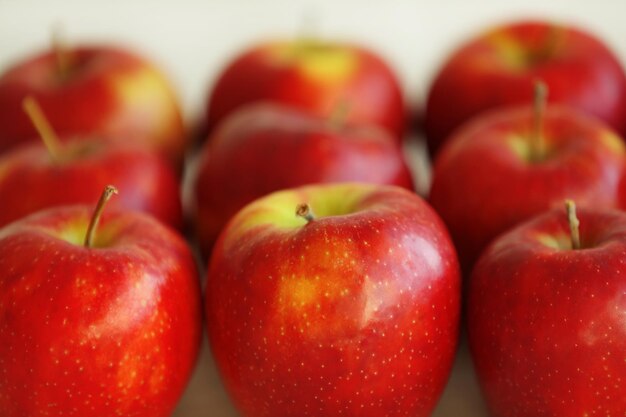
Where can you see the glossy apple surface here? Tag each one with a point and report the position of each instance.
(103, 90)
(546, 322)
(495, 68)
(266, 147)
(485, 180)
(31, 180)
(109, 330)
(315, 76)
(353, 313)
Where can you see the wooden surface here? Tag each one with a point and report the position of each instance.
(205, 396)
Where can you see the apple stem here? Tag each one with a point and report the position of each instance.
(61, 51)
(574, 223)
(339, 114)
(540, 98)
(304, 210)
(43, 127)
(109, 190)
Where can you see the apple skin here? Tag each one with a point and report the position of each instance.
(495, 68)
(315, 76)
(546, 323)
(355, 313)
(107, 91)
(109, 330)
(266, 147)
(484, 182)
(30, 180)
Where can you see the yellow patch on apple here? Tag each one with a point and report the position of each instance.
(74, 232)
(613, 142)
(520, 146)
(507, 50)
(298, 292)
(278, 210)
(147, 99)
(317, 61)
(299, 306)
(557, 242)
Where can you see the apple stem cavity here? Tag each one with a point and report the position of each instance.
(304, 210)
(574, 223)
(43, 127)
(537, 145)
(108, 192)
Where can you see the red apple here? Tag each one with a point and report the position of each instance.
(315, 76)
(34, 177)
(492, 174)
(546, 321)
(351, 312)
(94, 90)
(267, 147)
(109, 327)
(31, 180)
(495, 68)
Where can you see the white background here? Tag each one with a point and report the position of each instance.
(192, 40)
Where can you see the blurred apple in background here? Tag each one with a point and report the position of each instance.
(495, 68)
(334, 300)
(93, 90)
(315, 76)
(97, 318)
(31, 180)
(546, 317)
(507, 165)
(34, 177)
(266, 147)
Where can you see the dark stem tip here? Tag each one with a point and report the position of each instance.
(304, 210)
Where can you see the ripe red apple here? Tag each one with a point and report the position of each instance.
(34, 177)
(350, 311)
(546, 319)
(91, 90)
(505, 166)
(494, 70)
(107, 327)
(30, 180)
(266, 147)
(315, 76)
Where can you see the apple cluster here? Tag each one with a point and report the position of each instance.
(519, 120)
(331, 288)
